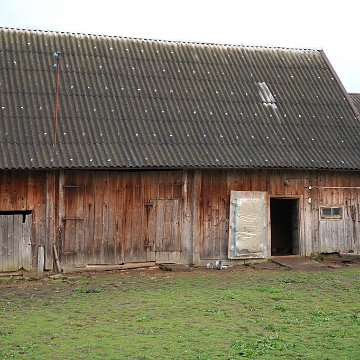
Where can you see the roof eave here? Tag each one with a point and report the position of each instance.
(336, 77)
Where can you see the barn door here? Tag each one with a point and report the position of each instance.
(15, 244)
(247, 225)
(73, 242)
(163, 241)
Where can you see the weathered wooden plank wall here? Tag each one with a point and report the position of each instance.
(108, 214)
(112, 217)
(31, 191)
(315, 235)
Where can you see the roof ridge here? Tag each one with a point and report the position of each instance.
(194, 42)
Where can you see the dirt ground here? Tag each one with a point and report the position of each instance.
(25, 284)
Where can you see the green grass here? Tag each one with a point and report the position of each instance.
(160, 315)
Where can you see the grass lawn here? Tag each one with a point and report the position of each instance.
(201, 314)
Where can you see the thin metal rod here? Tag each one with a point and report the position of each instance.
(332, 187)
(57, 83)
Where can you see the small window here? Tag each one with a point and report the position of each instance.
(334, 212)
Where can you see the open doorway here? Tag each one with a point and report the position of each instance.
(284, 215)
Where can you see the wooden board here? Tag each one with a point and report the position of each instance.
(15, 244)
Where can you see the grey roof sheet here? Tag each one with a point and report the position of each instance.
(356, 99)
(137, 103)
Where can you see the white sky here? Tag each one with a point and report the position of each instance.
(303, 23)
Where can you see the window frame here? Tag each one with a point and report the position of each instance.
(332, 216)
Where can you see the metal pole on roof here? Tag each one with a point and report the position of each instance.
(57, 83)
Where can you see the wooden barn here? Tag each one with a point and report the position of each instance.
(118, 150)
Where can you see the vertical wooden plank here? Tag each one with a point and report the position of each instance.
(356, 200)
(316, 198)
(80, 258)
(177, 180)
(134, 205)
(61, 214)
(31, 204)
(4, 264)
(18, 189)
(5, 190)
(139, 216)
(169, 181)
(168, 225)
(162, 181)
(117, 220)
(214, 214)
(25, 247)
(235, 179)
(40, 261)
(16, 241)
(105, 243)
(206, 246)
(177, 234)
(49, 219)
(39, 208)
(151, 194)
(127, 206)
(159, 228)
(223, 216)
(133, 228)
(186, 218)
(152, 212)
(214, 220)
(195, 209)
(8, 250)
(98, 231)
(135, 220)
(306, 241)
(121, 206)
(3, 238)
(89, 216)
(302, 227)
(111, 211)
(175, 220)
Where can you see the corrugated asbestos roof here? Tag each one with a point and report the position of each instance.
(136, 103)
(356, 99)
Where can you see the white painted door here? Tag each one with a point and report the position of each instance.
(247, 225)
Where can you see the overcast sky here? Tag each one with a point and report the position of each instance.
(333, 26)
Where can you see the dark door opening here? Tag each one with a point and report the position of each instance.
(284, 217)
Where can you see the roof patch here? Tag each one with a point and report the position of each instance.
(265, 93)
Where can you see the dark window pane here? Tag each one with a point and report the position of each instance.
(326, 211)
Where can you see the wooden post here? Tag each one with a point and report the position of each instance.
(56, 260)
(40, 261)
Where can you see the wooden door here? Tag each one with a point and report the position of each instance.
(15, 243)
(247, 225)
(73, 239)
(164, 230)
